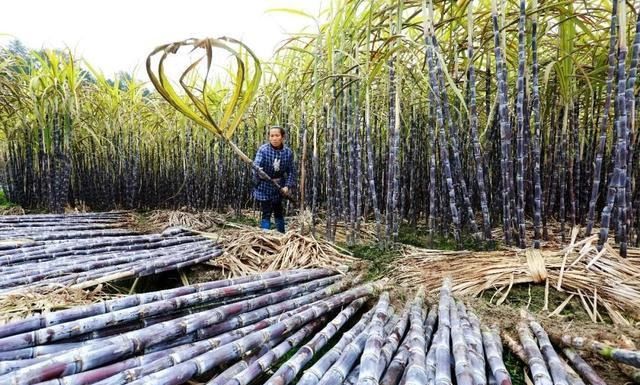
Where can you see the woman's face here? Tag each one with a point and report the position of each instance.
(275, 137)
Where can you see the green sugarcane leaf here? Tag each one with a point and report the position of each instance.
(292, 11)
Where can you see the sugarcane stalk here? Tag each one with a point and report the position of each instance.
(271, 357)
(393, 149)
(37, 271)
(313, 375)
(347, 360)
(396, 367)
(493, 352)
(370, 163)
(520, 127)
(352, 378)
(371, 354)
(122, 371)
(455, 148)
(462, 366)
(19, 256)
(415, 372)
(434, 97)
(473, 125)
(84, 279)
(430, 361)
(430, 324)
(538, 200)
(535, 360)
(239, 366)
(52, 318)
(161, 374)
(396, 146)
(625, 356)
(518, 351)
(473, 338)
(556, 368)
(290, 369)
(131, 342)
(505, 127)
(37, 351)
(393, 340)
(442, 345)
(617, 183)
(631, 113)
(84, 325)
(582, 367)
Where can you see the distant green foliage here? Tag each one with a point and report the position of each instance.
(4, 201)
(418, 237)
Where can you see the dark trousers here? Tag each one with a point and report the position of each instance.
(272, 207)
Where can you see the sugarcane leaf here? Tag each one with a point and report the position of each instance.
(298, 49)
(164, 87)
(451, 82)
(292, 11)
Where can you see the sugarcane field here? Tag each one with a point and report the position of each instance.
(320, 192)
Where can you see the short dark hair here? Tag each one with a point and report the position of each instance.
(282, 131)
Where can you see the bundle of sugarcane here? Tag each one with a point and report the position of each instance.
(557, 362)
(171, 336)
(414, 347)
(249, 250)
(24, 250)
(234, 331)
(87, 262)
(599, 278)
(44, 227)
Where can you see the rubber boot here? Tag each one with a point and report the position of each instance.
(280, 224)
(265, 224)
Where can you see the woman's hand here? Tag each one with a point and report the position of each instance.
(285, 190)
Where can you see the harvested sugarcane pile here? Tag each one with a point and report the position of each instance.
(174, 335)
(553, 357)
(249, 250)
(235, 332)
(414, 346)
(50, 227)
(36, 251)
(601, 279)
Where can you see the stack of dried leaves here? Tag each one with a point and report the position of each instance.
(249, 250)
(12, 210)
(601, 279)
(25, 303)
(178, 218)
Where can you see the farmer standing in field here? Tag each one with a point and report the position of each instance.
(276, 160)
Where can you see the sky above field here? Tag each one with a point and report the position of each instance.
(117, 35)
